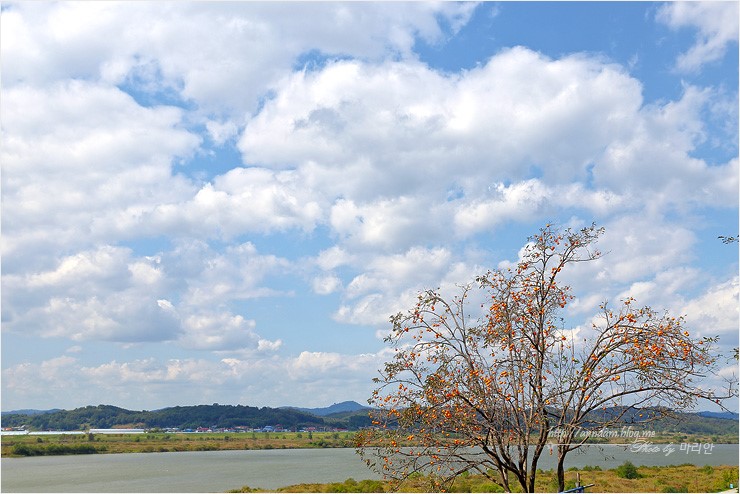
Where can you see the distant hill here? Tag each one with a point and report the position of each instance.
(182, 417)
(720, 415)
(30, 411)
(336, 408)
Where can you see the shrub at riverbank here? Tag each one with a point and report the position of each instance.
(681, 478)
(54, 449)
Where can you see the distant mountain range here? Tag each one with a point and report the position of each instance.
(343, 407)
(346, 415)
(720, 415)
(30, 411)
(349, 406)
(336, 408)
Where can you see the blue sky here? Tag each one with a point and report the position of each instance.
(224, 202)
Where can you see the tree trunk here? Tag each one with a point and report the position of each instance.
(561, 473)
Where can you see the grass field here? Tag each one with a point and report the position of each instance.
(29, 445)
(682, 478)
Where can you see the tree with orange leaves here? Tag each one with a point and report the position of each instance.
(490, 392)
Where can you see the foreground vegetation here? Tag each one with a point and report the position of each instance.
(152, 442)
(681, 478)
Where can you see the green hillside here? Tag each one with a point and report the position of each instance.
(182, 417)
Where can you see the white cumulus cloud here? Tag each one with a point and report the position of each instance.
(716, 24)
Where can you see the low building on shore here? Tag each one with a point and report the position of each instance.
(117, 431)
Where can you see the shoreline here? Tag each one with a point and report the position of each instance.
(53, 443)
(76, 442)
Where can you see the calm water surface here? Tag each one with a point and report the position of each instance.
(219, 471)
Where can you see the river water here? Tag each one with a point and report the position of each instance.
(219, 471)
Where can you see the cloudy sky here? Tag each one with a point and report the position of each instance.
(224, 202)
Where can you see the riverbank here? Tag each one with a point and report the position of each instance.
(162, 442)
(681, 478)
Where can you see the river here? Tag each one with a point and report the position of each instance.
(219, 471)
